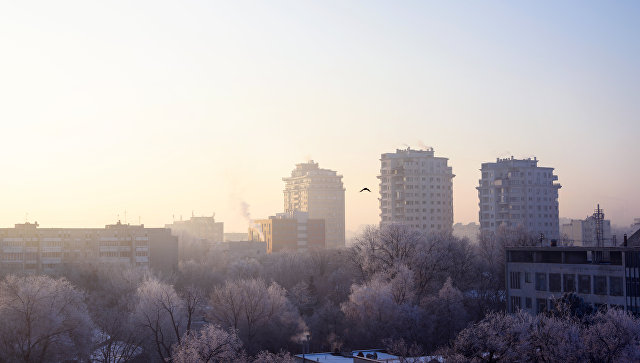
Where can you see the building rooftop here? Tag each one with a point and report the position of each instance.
(381, 356)
(329, 357)
(571, 248)
(402, 153)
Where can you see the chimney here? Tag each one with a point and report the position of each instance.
(625, 240)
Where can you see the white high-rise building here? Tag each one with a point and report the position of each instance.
(515, 192)
(320, 193)
(416, 189)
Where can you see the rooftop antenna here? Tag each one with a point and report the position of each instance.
(598, 215)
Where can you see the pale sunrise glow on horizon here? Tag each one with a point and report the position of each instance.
(164, 109)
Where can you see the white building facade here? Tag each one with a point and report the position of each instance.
(582, 232)
(416, 189)
(518, 193)
(320, 193)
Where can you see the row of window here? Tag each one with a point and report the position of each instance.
(584, 284)
(546, 304)
(116, 254)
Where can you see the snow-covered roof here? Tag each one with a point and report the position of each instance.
(333, 358)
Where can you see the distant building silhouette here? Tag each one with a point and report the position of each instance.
(583, 232)
(516, 192)
(197, 231)
(416, 189)
(293, 231)
(470, 231)
(320, 193)
(27, 248)
(235, 236)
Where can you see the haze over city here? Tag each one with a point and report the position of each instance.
(160, 109)
(330, 181)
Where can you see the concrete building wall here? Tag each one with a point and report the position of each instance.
(514, 193)
(416, 189)
(320, 193)
(292, 231)
(31, 249)
(195, 234)
(535, 276)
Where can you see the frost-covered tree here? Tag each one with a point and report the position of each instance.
(613, 336)
(245, 268)
(448, 313)
(496, 338)
(376, 311)
(43, 320)
(551, 339)
(161, 315)
(211, 344)
(111, 300)
(261, 313)
(268, 357)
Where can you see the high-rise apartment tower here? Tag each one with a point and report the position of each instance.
(320, 193)
(516, 193)
(416, 189)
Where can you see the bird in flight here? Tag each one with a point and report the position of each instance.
(365, 189)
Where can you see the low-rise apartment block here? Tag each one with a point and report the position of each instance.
(602, 276)
(27, 248)
(293, 231)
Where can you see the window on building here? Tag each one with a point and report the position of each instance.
(600, 307)
(584, 284)
(516, 302)
(541, 305)
(514, 280)
(541, 281)
(615, 286)
(569, 282)
(600, 285)
(527, 302)
(555, 284)
(527, 277)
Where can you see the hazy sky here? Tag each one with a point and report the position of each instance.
(160, 108)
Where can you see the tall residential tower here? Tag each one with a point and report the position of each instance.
(320, 193)
(416, 189)
(515, 192)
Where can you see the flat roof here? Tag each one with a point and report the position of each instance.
(329, 357)
(572, 248)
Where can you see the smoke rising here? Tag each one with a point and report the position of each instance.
(423, 146)
(244, 210)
